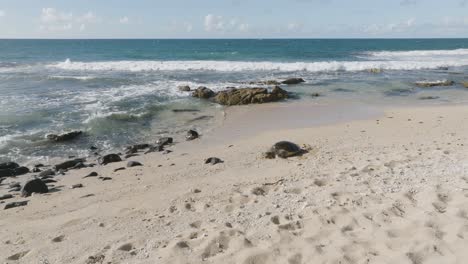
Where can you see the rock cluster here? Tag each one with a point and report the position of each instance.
(242, 96)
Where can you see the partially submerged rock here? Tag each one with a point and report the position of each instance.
(34, 186)
(64, 137)
(245, 96)
(266, 82)
(184, 88)
(374, 70)
(109, 158)
(293, 81)
(435, 83)
(284, 149)
(203, 92)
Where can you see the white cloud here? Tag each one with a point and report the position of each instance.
(2, 13)
(376, 29)
(56, 20)
(215, 23)
(294, 27)
(124, 20)
(51, 15)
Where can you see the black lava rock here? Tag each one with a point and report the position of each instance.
(64, 137)
(165, 141)
(110, 158)
(191, 135)
(34, 186)
(68, 164)
(15, 204)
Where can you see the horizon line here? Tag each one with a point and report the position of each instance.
(280, 38)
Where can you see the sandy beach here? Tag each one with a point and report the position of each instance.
(389, 188)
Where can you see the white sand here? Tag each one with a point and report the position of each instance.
(387, 191)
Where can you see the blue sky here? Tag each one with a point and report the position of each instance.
(233, 18)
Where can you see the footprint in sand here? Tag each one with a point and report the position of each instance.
(257, 259)
(126, 247)
(18, 256)
(58, 239)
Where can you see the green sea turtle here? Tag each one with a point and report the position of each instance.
(284, 149)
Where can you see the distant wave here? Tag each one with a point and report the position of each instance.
(80, 78)
(420, 53)
(239, 66)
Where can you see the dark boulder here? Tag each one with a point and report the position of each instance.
(203, 93)
(8, 165)
(64, 137)
(191, 135)
(293, 81)
(244, 96)
(34, 186)
(133, 164)
(284, 149)
(68, 164)
(110, 158)
(165, 141)
(13, 171)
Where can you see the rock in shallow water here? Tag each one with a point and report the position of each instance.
(293, 81)
(34, 186)
(435, 83)
(203, 93)
(64, 137)
(246, 96)
(184, 88)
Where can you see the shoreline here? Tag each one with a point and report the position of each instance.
(388, 188)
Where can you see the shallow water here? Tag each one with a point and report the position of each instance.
(123, 91)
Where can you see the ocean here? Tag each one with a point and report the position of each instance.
(121, 92)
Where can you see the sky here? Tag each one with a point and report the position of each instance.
(233, 18)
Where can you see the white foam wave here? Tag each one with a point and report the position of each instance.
(240, 66)
(64, 77)
(420, 53)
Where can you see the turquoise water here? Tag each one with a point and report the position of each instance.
(123, 91)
